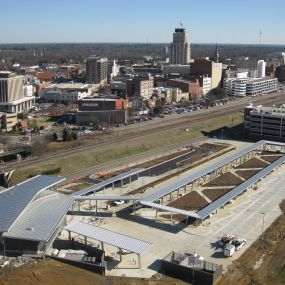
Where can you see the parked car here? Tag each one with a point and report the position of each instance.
(238, 243)
(226, 239)
(119, 202)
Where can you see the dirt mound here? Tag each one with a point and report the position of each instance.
(226, 179)
(216, 193)
(246, 173)
(253, 163)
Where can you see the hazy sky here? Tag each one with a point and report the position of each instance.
(207, 21)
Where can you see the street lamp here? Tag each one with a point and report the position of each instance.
(263, 215)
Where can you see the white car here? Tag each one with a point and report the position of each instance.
(119, 202)
(238, 243)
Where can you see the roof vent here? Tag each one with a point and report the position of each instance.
(30, 228)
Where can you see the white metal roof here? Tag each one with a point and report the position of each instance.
(107, 182)
(106, 198)
(16, 199)
(170, 209)
(196, 175)
(41, 218)
(106, 236)
(206, 211)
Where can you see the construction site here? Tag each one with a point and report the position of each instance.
(167, 215)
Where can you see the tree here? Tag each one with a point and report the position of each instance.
(158, 109)
(54, 137)
(20, 116)
(66, 136)
(74, 135)
(218, 92)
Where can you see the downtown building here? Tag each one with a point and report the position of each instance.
(265, 122)
(103, 110)
(97, 70)
(180, 52)
(241, 87)
(15, 97)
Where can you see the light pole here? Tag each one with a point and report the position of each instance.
(263, 215)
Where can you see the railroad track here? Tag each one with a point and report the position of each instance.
(154, 127)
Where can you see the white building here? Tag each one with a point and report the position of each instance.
(261, 86)
(261, 65)
(206, 85)
(12, 94)
(66, 92)
(241, 87)
(180, 52)
(235, 87)
(28, 90)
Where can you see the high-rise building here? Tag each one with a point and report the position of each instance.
(11, 87)
(180, 52)
(96, 70)
(14, 96)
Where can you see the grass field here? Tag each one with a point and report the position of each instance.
(104, 154)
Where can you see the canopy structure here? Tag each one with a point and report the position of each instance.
(148, 200)
(108, 182)
(121, 241)
(196, 175)
(106, 236)
(107, 198)
(15, 200)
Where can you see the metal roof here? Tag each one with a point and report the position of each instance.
(196, 175)
(205, 212)
(103, 235)
(107, 182)
(170, 209)
(40, 220)
(16, 199)
(106, 198)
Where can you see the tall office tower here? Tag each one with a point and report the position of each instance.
(180, 52)
(11, 87)
(96, 69)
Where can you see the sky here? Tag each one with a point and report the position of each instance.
(144, 21)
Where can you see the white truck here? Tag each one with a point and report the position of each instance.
(229, 250)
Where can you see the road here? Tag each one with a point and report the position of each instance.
(153, 127)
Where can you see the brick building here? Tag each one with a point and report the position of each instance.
(191, 87)
(105, 110)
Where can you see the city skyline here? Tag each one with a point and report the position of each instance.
(129, 21)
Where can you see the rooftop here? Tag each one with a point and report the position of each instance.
(41, 218)
(15, 200)
(70, 86)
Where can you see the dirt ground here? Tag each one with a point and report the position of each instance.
(216, 193)
(51, 272)
(269, 251)
(214, 147)
(270, 158)
(226, 179)
(192, 201)
(246, 173)
(253, 163)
